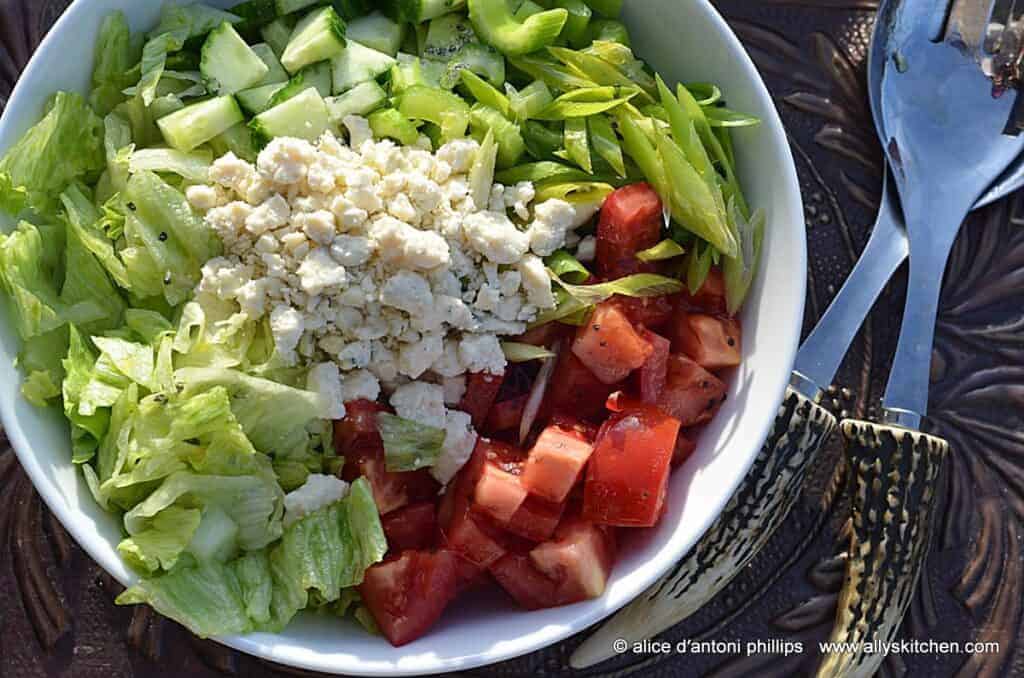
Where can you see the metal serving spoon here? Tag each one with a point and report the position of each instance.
(770, 489)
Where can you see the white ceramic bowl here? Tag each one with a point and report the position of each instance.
(683, 40)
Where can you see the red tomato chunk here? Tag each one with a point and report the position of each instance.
(411, 527)
(631, 220)
(555, 462)
(407, 595)
(610, 346)
(692, 394)
(481, 392)
(574, 388)
(654, 372)
(628, 473)
(712, 342)
(499, 493)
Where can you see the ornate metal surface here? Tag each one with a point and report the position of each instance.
(57, 616)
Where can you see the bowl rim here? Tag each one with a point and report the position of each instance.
(106, 557)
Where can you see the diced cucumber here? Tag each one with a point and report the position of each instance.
(506, 133)
(277, 34)
(433, 132)
(194, 125)
(228, 64)
(575, 30)
(483, 60)
(446, 35)
(255, 14)
(378, 32)
(388, 122)
(609, 30)
(530, 100)
(495, 24)
(350, 9)
(317, 76)
(418, 11)
(362, 99)
(289, 6)
(607, 8)
(238, 140)
(256, 100)
(358, 63)
(319, 36)
(438, 106)
(276, 71)
(421, 38)
(304, 116)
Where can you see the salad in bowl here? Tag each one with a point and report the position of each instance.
(363, 307)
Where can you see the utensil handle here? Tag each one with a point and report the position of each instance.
(895, 473)
(755, 511)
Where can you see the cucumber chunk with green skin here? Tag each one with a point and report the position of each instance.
(609, 30)
(606, 8)
(410, 71)
(255, 14)
(358, 63)
(238, 140)
(303, 116)
(447, 35)
(289, 6)
(480, 59)
(317, 76)
(390, 123)
(277, 34)
(418, 11)
(575, 30)
(228, 64)
(256, 100)
(438, 106)
(362, 99)
(350, 9)
(194, 125)
(319, 36)
(276, 72)
(496, 26)
(511, 146)
(378, 32)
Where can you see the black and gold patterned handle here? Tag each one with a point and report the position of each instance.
(895, 473)
(750, 519)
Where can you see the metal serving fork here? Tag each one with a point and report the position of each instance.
(948, 135)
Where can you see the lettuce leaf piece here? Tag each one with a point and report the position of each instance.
(89, 428)
(195, 19)
(666, 249)
(207, 599)
(194, 166)
(39, 388)
(149, 326)
(65, 145)
(122, 417)
(205, 340)
(161, 543)
(274, 416)
(409, 445)
(256, 580)
(115, 55)
(83, 221)
(133, 360)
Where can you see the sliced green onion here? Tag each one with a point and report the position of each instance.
(541, 142)
(545, 170)
(530, 100)
(639, 285)
(576, 144)
(739, 272)
(408, 445)
(553, 74)
(484, 92)
(481, 175)
(719, 116)
(621, 56)
(569, 311)
(605, 143)
(567, 267)
(524, 353)
(666, 249)
(585, 102)
(706, 93)
(699, 267)
(575, 192)
(595, 68)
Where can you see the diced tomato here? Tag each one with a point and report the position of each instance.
(481, 391)
(411, 527)
(536, 519)
(692, 394)
(499, 493)
(469, 536)
(545, 335)
(506, 414)
(579, 559)
(555, 462)
(468, 576)
(521, 579)
(712, 342)
(357, 439)
(574, 388)
(406, 596)
(710, 298)
(580, 426)
(652, 312)
(684, 448)
(631, 220)
(654, 372)
(628, 472)
(610, 346)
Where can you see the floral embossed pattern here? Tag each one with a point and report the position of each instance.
(57, 607)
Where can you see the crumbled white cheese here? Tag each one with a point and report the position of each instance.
(318, 491)
(454, 389)
(459, 441)
(324, 379)
(586, 251)
(493, 235)
(420, 402)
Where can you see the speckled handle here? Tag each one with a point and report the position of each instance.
(750, 519)
(895, 473)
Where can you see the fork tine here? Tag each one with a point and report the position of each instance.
(968, 23)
